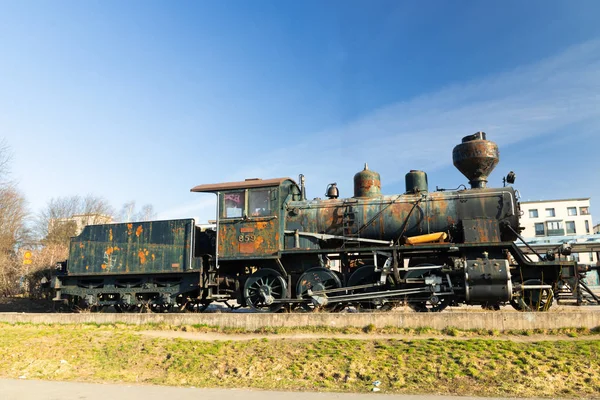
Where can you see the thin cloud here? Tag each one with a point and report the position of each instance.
(514, 106)
(529, 101)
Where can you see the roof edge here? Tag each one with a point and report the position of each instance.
(248, 183)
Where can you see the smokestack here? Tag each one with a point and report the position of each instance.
(476, 158)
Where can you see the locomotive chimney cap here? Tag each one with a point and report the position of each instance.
(476, 136)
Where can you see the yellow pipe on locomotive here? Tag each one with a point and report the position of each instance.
(436, 237)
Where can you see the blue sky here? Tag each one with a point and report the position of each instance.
(142, 100)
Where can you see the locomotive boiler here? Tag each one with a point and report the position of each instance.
(272, 249)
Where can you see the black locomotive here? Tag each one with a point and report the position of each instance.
(272, 249)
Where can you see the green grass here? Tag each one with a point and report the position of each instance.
(481, 365)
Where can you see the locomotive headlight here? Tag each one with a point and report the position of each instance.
(510, 178)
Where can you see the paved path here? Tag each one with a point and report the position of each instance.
(11, 389)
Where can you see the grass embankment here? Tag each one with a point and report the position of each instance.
(478, 366)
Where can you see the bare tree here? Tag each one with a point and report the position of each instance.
(146, 213)
(13, 230)
(64, 217)
(5, 158)
(128, 213)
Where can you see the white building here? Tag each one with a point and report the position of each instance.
(569, 218)
(81, 220)
(556, 217)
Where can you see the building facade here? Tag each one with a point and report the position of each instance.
(556, 217)
(81, 221)
(549, 221)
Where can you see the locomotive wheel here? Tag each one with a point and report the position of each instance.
(367, 275)
(192, 307)
(262, 287)
(433, 304)
(317, 279)
(533, 299)
(438, 304)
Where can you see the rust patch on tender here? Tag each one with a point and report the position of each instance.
(103, 266)
(81, 245)
(153, 257)
(110, 235)
(139, 231)
(129, 229)
(175, 265)
(142, 256)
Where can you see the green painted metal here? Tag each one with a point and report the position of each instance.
(367, 183)
(247, 231)
(133, 248)
(416, 182)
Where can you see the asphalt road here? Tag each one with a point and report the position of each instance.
(11, 389)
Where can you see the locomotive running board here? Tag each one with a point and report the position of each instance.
(325, 236)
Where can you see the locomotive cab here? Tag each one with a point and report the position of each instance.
(249, 216)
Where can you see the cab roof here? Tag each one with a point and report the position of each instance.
(248, 183)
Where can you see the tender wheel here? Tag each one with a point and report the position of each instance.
(367, 275)
(533, 299)
(317, 279)
(262, 288)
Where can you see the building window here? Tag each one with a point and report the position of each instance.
(591, 256)
(539, 229)
(584, 210)
(575, 256)
(571, 211)
(570, 227)
(533, 214)
(587, 226)
(555, 228)
(550, 212)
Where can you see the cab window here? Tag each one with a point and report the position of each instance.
(259, 202)
(233, 204)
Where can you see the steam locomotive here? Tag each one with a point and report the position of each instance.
(271, 249)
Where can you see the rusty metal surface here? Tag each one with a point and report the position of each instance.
(367, 183)
(250, 183)
(248, 238)
(389, 217)
(139, 247)
(476, 158)
(480, 230)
